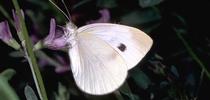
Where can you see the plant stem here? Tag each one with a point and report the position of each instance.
(41, 54)
(199, 85)
(192, 54)
(4, 12)
(27, 44)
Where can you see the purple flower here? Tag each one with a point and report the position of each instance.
(5, 33)
(105, 17)
(65, 66)
(62, 69)
(62, 65)
(56, 38)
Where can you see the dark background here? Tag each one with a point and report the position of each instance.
(186, 86)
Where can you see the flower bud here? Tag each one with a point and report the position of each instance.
(6, 36)
(17, 23)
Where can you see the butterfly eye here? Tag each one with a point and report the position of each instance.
(67, 35)
(122, 47)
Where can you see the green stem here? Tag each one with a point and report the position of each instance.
(30, 55)
(4, 12)
(199, 85)
(41, 54)
(192, 54)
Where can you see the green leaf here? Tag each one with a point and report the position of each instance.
(118, 95)
(29, 93)
(106, 3)
(8, 74)
(141, 79)
(158, 57)
(140, 17)
(6, 91)
(149, 3)
(16, 54)
(63, 93)
(82, 2)
(174, 71)
(14, 44)
(125, 89)
(150, 27)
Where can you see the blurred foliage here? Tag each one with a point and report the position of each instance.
(141, 79)
(175, 69)
(6, 91)
(141, 17)
(149, 3)
(63, 93)
(29, 93)
(106, 3)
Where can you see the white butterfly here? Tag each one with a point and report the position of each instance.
(101, 55)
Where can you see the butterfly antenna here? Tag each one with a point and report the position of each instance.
(60, 10)
(66, 9)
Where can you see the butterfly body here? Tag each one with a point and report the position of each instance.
(101, 55)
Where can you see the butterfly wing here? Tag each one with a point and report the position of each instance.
(131, 43)
(97, 68)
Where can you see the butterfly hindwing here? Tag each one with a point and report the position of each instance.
(97, 67)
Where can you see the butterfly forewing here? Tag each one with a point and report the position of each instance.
(97, 67)
(131, 43)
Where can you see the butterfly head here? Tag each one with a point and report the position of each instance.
(70, 28)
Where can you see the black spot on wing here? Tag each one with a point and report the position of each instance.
(122, 47)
